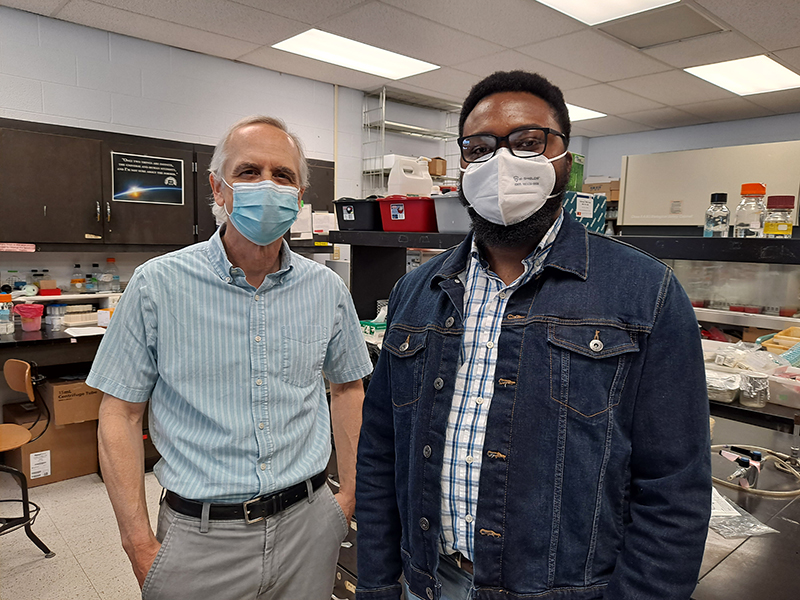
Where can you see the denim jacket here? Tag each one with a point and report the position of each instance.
(595, 481)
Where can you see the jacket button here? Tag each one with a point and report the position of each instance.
(426, 451)
(438, 383)
(596, 345)
(403, 346)
(449, 322)
(424, 524)
(429, 593)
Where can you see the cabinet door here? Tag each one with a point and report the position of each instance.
(146, 216)
(50, 188)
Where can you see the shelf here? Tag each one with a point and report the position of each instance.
(392, 239)
(413, 130)
(727, 317)
(775, 251)
(67, 297)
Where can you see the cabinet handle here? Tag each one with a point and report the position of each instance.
(45, 209)
(98, 211)
(108, 211)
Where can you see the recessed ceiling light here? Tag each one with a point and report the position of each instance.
(746, 76)
(595, 12)
(344, 52)
(577, 113)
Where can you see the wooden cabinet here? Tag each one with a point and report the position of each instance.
(51, 188)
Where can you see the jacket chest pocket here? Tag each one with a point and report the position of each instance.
(589, 365)
(303, 352)
(407, 364)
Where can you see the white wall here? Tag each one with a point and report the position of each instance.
(605, 153)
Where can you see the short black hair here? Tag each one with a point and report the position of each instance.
(518, 81)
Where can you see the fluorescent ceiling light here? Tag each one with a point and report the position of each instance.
(594, 12)
(341, 51)
(746, 76)
(576, 113)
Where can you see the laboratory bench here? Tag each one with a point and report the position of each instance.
(47, 347)
(762, 566)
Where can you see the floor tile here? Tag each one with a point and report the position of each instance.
(52, 580)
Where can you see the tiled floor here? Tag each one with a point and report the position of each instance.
(77, 523)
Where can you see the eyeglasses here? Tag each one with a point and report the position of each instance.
(525, 142)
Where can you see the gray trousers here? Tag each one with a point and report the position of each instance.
(290, 556)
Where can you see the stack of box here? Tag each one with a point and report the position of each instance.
(69, 446)
(608, 188)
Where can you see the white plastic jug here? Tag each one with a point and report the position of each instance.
(409, 177)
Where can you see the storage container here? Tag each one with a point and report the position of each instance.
(451, 215)
(410, 177)
(401, 213)
(358, 214)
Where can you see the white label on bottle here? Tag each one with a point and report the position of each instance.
(755, 225)
(584, 208)
(782, 227)
(40, 464)
(106, 277)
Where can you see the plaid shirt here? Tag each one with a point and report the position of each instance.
(485, 300)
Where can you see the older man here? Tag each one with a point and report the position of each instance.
(537, 424)
(229, 339)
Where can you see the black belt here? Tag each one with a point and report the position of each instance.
(251, 511)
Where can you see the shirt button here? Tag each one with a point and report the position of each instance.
(502, 295)
(449, 322)
(261, 426)
(426, 451)
(258, 338)
(438, 383)
(469, 460)
(479, 400)
(227, 279)
(429, 593)
(257, 298)
(469, 519)
(258, 382)
(490, 345)
(424, 524)
(263, 467)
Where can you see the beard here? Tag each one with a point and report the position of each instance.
(525, 233)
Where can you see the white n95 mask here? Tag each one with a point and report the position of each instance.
(507, 189)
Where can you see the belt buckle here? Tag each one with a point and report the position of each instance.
(246, 505)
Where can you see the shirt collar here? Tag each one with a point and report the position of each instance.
(230, 274)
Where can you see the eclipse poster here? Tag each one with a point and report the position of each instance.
(146, 179)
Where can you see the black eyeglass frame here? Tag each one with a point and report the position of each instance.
(499, 140)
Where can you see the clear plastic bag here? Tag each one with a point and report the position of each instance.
(740, 525)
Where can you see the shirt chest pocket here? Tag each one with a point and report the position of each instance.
(589, 365)
(303, 353)
(407, 363)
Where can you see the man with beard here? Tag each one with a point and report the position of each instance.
(537, 424)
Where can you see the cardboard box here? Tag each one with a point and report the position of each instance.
(605, 187)
(437, 167)
(588, 209)
(71, 401)
(47, 284)
(575, 183)
(61, 453)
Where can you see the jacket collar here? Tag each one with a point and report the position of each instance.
(569, 253)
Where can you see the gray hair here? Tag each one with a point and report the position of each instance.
(220, 156)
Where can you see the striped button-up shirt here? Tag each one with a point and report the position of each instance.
(234, 373)
(485, 300)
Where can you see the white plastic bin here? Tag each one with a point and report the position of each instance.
(451, 216)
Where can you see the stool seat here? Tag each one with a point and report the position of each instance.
(13, 436)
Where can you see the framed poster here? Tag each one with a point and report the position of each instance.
(146, 179)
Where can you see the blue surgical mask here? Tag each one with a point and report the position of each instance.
(263, 211)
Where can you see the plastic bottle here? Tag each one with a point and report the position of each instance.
(717, 217)
(778, 222)
(89, 286)
(78, 280)
(111, 276)
(97, 275)
(32, 277)
(6, 316)
(751, 211)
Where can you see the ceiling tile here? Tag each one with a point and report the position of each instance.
(509, 23)
(578, 131)
(306, 11)
(611, 126)
(790, 58)
(396, 30)
(446, 79)
(771, 23)
(717, 47)
(594, 55)
(148, 28)
(223, 17)
(40, 7)
(673, 87)
(663, 118)
(787, 101)
(278, 60)
(667, 24)
(609, 100)
(729, 109)
(509, 60)
(402, 85)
